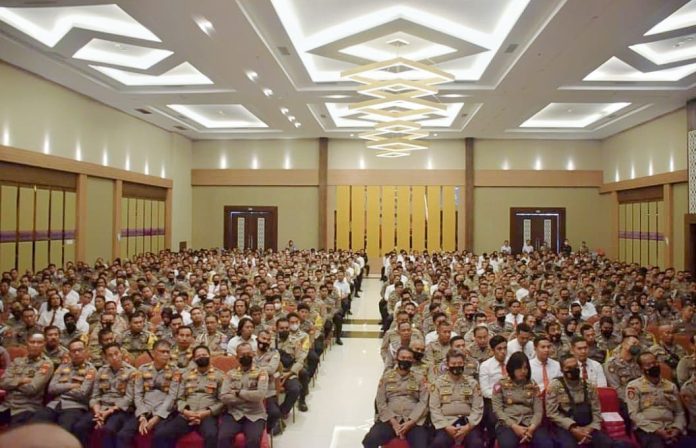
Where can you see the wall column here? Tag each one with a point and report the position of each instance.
(116, 235)
(323, 242)
(81, 221)
(668, 225)
(469, 194)
(169, 200)
(613, 249)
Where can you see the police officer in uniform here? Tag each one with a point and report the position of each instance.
(25, 382)
(182, 352)
(292, 358)
(519, 409)
(72, 388)
(456, 405)
(112, 398)
(243, 392)
(621, 369)
(572, 404)
(436, 351)
(197, 401)
(688, 396)
(402, 405)
(480, 349)
(54, 351)
(268, 359)
(297, 344)
(153, 400)
(137, 340)
(655, 408)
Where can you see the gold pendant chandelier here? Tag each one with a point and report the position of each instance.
(398, 88)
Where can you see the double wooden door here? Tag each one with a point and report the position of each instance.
(251, 227)
(538, 225)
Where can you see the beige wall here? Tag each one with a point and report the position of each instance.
(537, 154)
(587, 214)
(256, 154)
(297, 212)
(100, 208)
(658, 146)
(38, 115)
(681, 207)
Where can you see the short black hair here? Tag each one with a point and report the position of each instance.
(496, 340)
(518, 360)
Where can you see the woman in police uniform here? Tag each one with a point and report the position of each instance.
(518, 407)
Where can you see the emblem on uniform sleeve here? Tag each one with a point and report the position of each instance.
(630, 393)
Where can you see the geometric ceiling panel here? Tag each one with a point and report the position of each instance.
(615, 69)
(184, 74)
(572, 115)
(116, 53)
(331, 36)
(667, 51)
(219, 116)
(49, 25)
(344, 116)
(684, 17)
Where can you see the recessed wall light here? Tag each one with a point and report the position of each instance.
(267, 92)
(204, 24)
(291, 117)
(452, 95)
(252, 75)
(336, 97)
(297, 124)
(284, 110)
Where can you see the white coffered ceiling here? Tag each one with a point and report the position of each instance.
(211, 69)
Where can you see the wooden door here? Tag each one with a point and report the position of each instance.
(538, 225)
(251, 228)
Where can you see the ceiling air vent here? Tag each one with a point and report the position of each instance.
(284, 51)
(143, 111)
(511, 48)
(181, 128)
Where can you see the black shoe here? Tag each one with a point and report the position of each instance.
(357, 296)
(302, 406)
(278, 430)
(339, 342)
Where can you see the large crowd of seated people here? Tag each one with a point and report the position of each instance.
(220, 343)
(478, 350)
(515, 350)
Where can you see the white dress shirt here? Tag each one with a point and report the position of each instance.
(514, 320)
(505, 249)
(588, 310)
(527, 249)
(432, 337)
(70, 299)
(595, 373)
(490, 373)
(514, 346)
(553, 370)
(235, 341)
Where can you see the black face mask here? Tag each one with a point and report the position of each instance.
(263, 346)
(469, 316)
(456, 371)
(634, 350)
(555, 337)
(283, 335)
(405, 365)
(653, 372)
(107, 326)
(202, 362)
(501, 320)
(607, 333)
(245, 361)
(70, 326)
(418, 355)
(572, 374)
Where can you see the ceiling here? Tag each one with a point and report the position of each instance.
(221, 69)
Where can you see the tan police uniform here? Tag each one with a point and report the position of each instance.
(619, 373)
(478, 353)
(137, 344)
(25, 398)
(216, 343)
(654, 406)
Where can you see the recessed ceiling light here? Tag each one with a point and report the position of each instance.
(291, 117)
(49, 25)
(452, 95)
(181, 75)
(284, 110)
(435, 134)
(267, 92)
(133, 56)
(352, 135)
(252, 75)
(204, 24)
(336, 97)
(298, 124)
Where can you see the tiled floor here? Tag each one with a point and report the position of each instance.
(341, 404)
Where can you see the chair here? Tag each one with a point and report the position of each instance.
(17, 352)
(225, 363)
(609, 402)
(143, 358)
(194, 440)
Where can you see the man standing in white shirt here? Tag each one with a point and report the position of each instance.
(521, 342)
(588, 309)
(70, 296)
(544, 369)
(505, 249)
(527, 248)
(590, 370)
(491, 372)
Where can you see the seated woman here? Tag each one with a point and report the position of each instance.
(518, 406)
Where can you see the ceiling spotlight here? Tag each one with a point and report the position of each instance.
(284, 110)
(291, 117)
(298, 124)
(435, 134)
(336, 97)
(204, 24)
(267, 92)
(452, 95)
(352, 135)
(252, 75)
